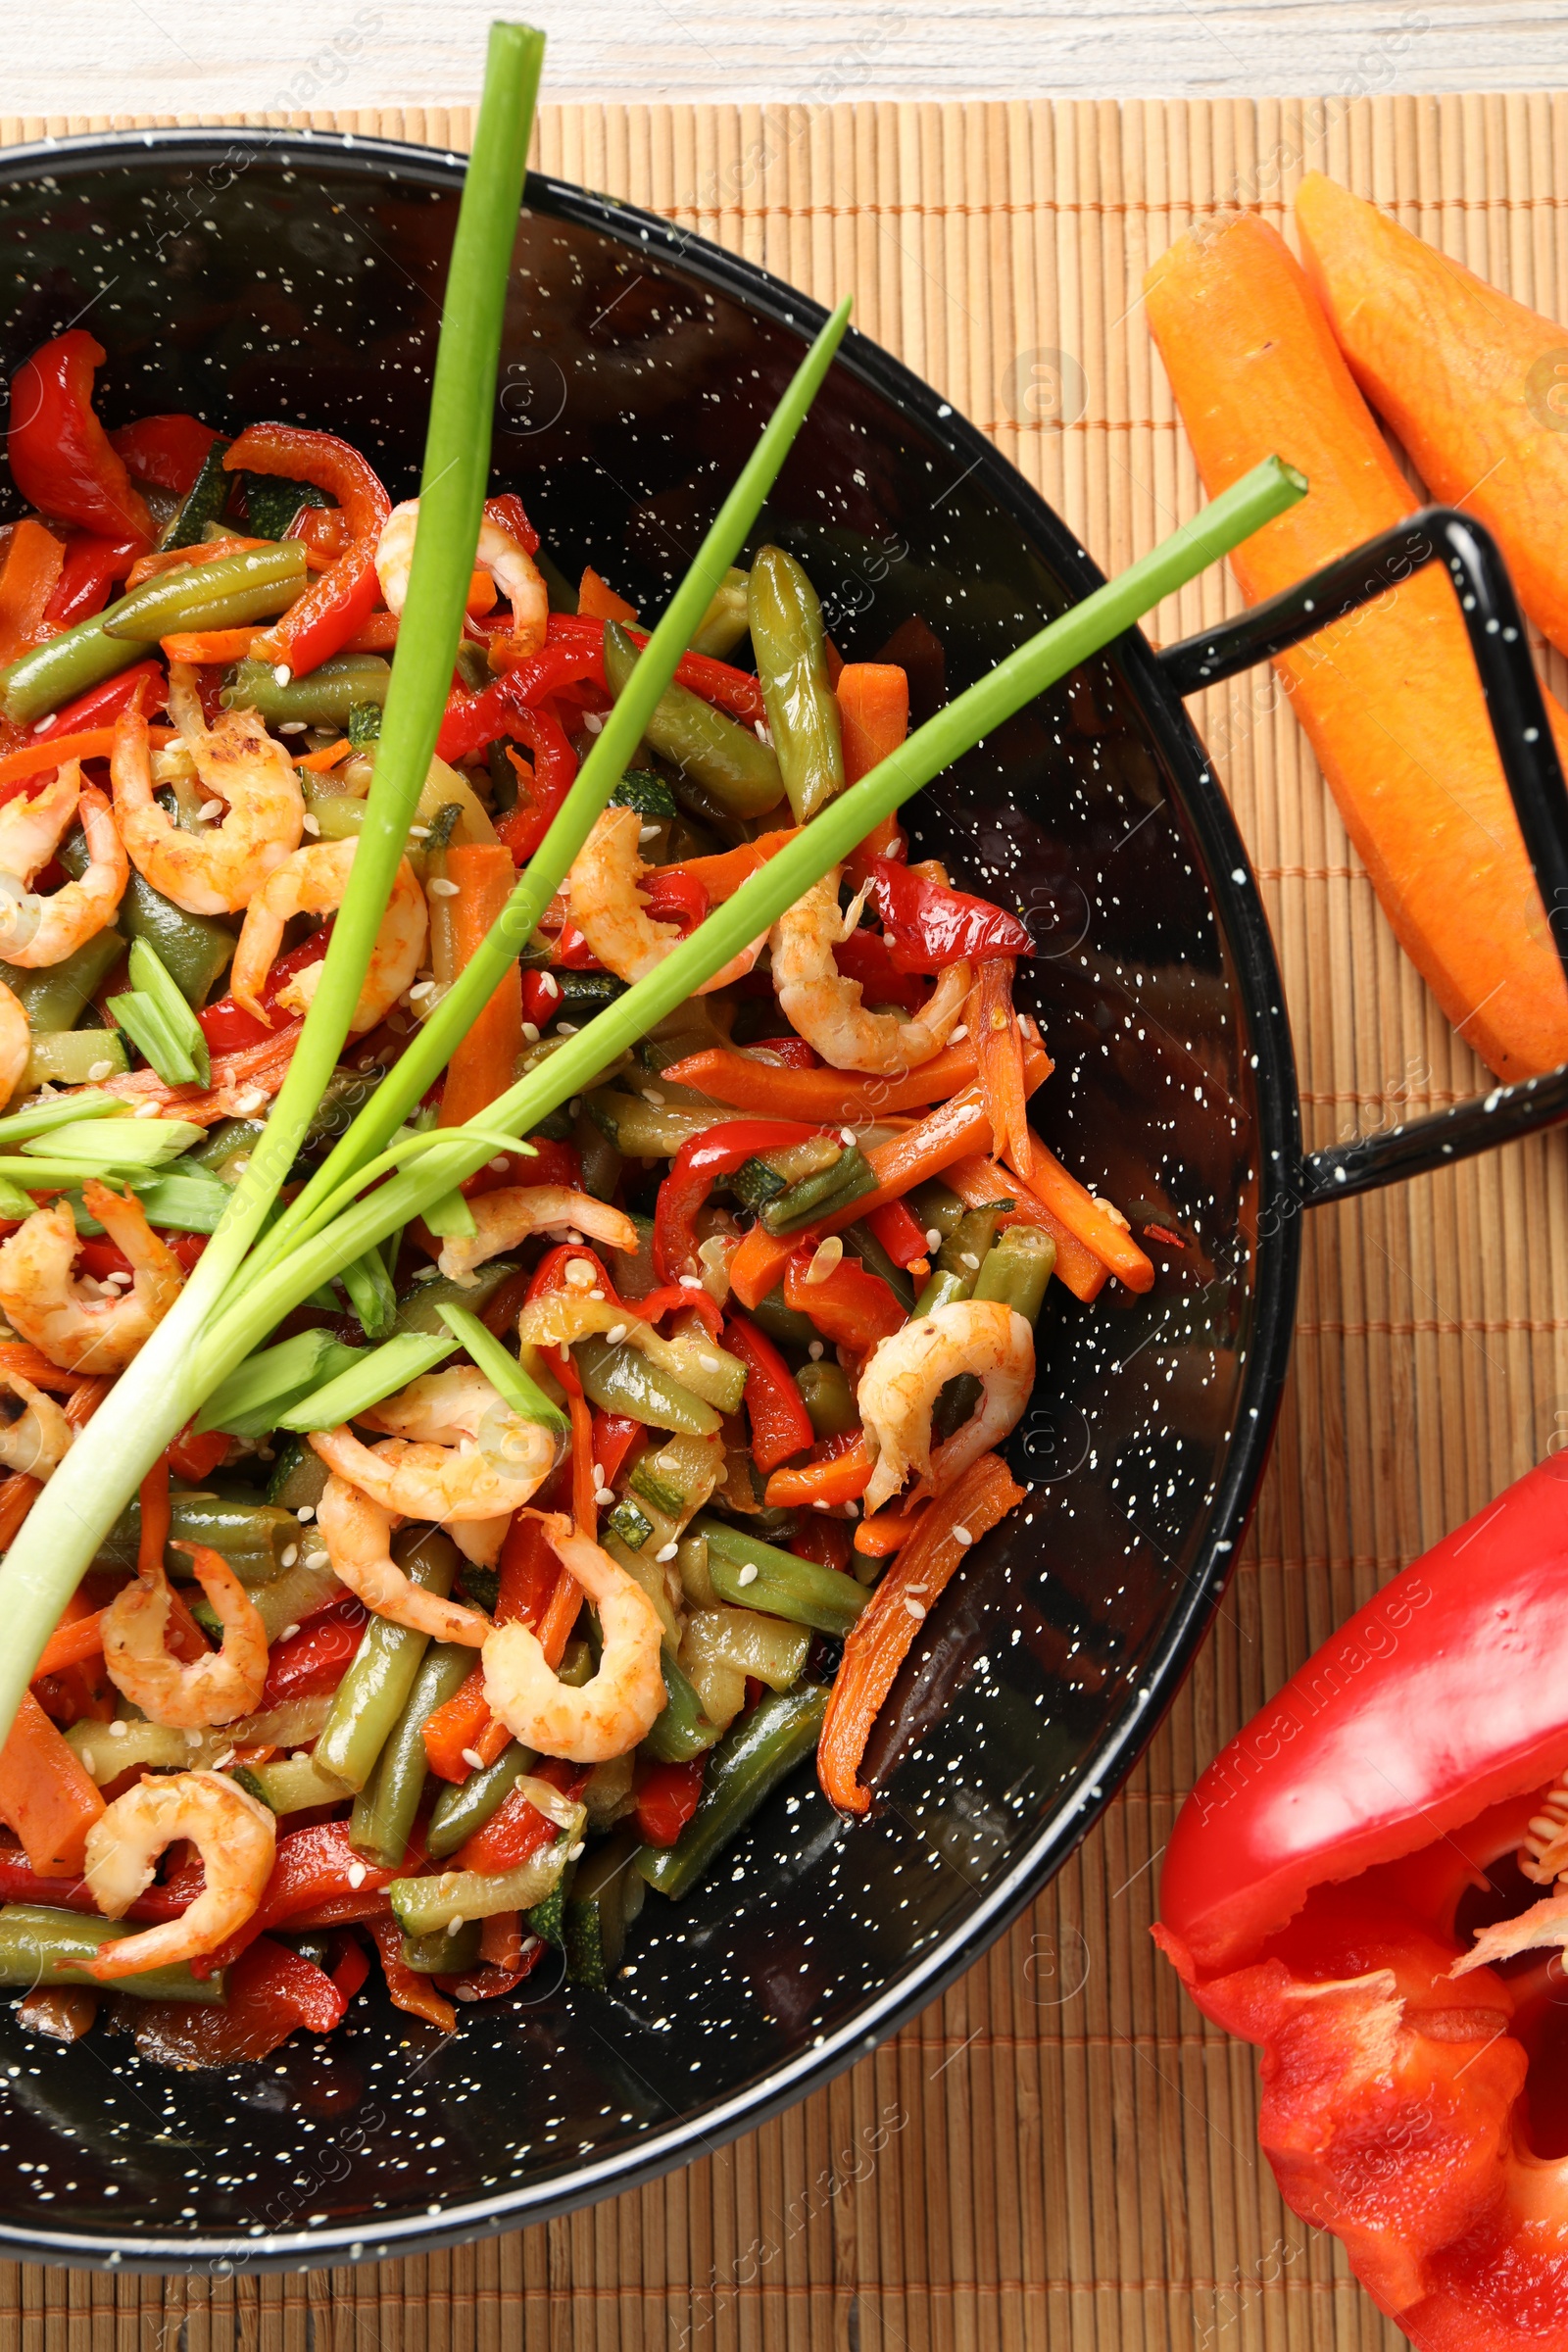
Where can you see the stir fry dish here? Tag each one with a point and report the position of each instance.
(518, 1564)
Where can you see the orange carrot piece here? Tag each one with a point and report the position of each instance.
(70, 1643)
(492, 1741)
(377, 634)
(977, 1182)
(999, 1048)
(874, 713)
(584, 1477)
(207, 644)
(33, 566)
(326, 758)
(757, 1265)
(17, 1497)
(1472, 381)
(1389, 697)
(825, 1097)
(882, 1635)
(842, 1478)
(887, 1532)
(559, 1622)
(88, 743)
(597, 601)
(455, 1725)
(722, 874)
(45, 1796)
(175, 559)
(1086, 1217)
(484, 1061)
(18, 1355)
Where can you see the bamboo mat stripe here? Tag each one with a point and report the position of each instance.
(1059, 2155)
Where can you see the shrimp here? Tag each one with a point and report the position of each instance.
(39, 1439)
(236, 1838)
(504, 1218)
(218, 868)
(504, 558)
(358, 1534)
(908, 1372)
(34, 931)
(77, 1328)
(190, 1696)
(611, 918)
(311, 882)
(618, 1707)
(827, 1011)
(453, 1451)
(16, 1041)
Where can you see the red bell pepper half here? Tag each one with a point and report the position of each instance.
(929, 926)
(321, 623)
(61, 459)
(1323, 1895)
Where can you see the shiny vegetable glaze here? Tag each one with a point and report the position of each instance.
(553, 1533)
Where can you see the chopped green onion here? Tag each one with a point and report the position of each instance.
(501, 1370)
(377, 1372)
(61, 1111)
(157, 1019)
(13, 1204)
(371, 1294)
(250, 1402)
(185, 1199)
(101, 1148)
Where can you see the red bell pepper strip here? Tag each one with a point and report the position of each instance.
(676, 895)
(321, 623)
(781, 1426)
(475, 720)
(672, 1296)
(614, 1435)
(507, 509)
(520, 1830)
(901, 1234)
(19, 1883)
(31, 568)
(315, 1658)
(851, 1307)
(700, 1160)
(866, 957)
(228, 1028)
(90, 569)
(542, 788)
(720, 682)
(193, 1457)
(1311, 1900)
(929, 926)
(271, 1993)
(827, 1541)
(102, 705)
(59, 455)
(666, 1799)
(408, 1987)
(169, 452)
(309, 1870)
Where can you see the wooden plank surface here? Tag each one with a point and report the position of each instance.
(1059, 2155)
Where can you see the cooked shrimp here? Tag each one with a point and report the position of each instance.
(908, 1371)
(220, 868)
(617, 1707)
(358, 1534)
(313, 882)
(36, 931)
(827, 1011)
(236, 1838)
(455, 1451)
(611, 918)
(188, 1695)
(16, 1043)
(505, 1216)
(504, 558)
(39, 1439)
(78, 1328)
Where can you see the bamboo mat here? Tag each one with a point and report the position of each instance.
(1070, 2160)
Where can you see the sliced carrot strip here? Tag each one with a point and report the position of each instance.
(1061, 1193)
(16, 1498)
(882, 1635)
(45, 1795)
(979, 1181)
(597, 601)
(843, 1478)
(329, 756)
(999, 1045)
(825, 1097)
(70, 1643)
(207, 644)
(484, 1062)
(89, 743)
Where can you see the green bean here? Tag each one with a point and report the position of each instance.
(936, 1209)
(374, 1691)
(464, 1806)
(781, 1586)
(255, 585)
(384, 1809)
(447, 1951)
(299, 1476)
(40, 1947)
(194, 950)
(605, 1897)
(601, 1160)
(323, 699)
(726, 620)
(1017, 1269)
(784, 1324)
(727, 760)
(822, 1195)
(829, 1398)
(203, 502)
(57, 997)
(55, 672)
(791, 649)
(958, 1260)
(252, 1536)
(759, 1752)
(620, 1379)
(861, 1243)
(422, 1906)
(682, 1730)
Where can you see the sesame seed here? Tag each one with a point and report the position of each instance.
(647, 833)
(306, 1510)
(748, 1575)
(569, 1029)
(531, 1033)
(102, 1069)
(291, 1553)
(933, 1238)
(472, 1758)
(117, 1731)
(39, 725)
(825, 1259)
(288, 1633)
(819, 1505)
(357, 1875)
(318, 1559)
(579, 1274)
(967, 1257)
(667, 1553)
(418, 832)
(420, 988)
(440, 888)
(550, 984)
(598, 1295)
(961, 1535)
(88, 1764)
(616, 1334)
(959, 1034)
(604, 1496)
(846, 1135)
(145, 1110)
(593, 721)
(916, 1608)
(455, 1922)
(651, 1094)
(281, 673)
(209, 809)
(814, 1350)
(312, 823)
(574, 1851)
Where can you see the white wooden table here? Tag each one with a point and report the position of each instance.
(143, 56)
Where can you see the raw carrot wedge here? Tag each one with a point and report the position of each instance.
(484, 1062)
(1389, 697)
(1475, 384)
(881, 1637)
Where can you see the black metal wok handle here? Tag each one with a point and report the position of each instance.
(1517, 711)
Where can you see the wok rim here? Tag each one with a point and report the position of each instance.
(1241, 919)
